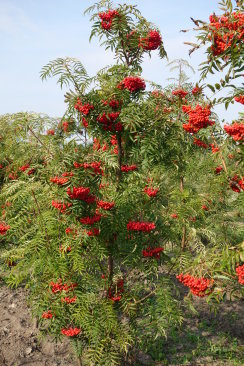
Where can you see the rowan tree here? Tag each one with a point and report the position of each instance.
(133, 200)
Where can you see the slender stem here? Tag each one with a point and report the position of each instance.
(110, 267)
(146, 297)
(119, 173)
(85, 137)
(171, 268)
(33, 133)
(183, 239)
(73, 79)
(123, 50)
(110, 257)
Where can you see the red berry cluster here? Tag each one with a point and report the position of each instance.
(141, 226)
(12, 176)
(24, 167)
(65, 126)
(199, 143)
(107, 18)
(114, 142)
(133, 84)
(90, 220)
(237, 184)
(50, 132)
(198, 286)
(151, 192)
(47, 315)
(198, 118)
(59, 181)
(174, 216)
(128, 168)
(236, 131)
(81, 193)
(152, 252)
(224, 29)
(97, 146)
(69, 300)
(85, 122)
(113, 103)
(94, 166)
(31, 171)
(71, 332)
(196, 90)
(180, 93)
(157, 93)
(69, 230)
(67, 174)
(93, 232)
(214, 148)
(105, 205)
(218, 169)
(152, 41)
(59, 286)
(109, 122)
(83, 108)
(3, 228)
(62, 207)
(240, 274)
(240, 99)
(205, 208)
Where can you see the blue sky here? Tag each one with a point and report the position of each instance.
(33, 32)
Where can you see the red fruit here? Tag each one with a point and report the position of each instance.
(198, 286)
(133, 84)
(141, 226)
(71, 332)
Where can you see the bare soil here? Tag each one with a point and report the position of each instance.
(19, 343)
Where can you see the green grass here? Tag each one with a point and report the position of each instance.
(199, 342)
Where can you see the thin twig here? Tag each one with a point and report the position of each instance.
(33, 133)
(146, 297)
